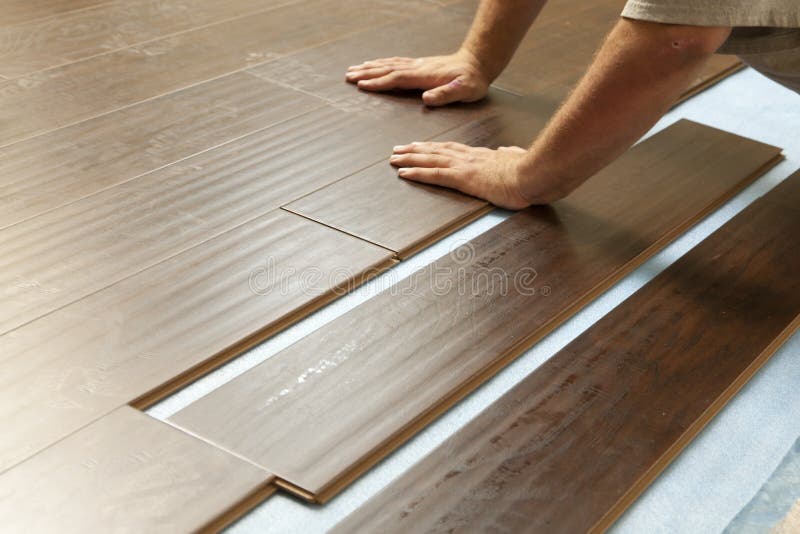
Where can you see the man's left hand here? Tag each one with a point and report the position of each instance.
(493, 175)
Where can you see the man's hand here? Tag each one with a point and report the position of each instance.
(493, 175)
(445, 79)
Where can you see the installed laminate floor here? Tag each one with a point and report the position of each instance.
(149, 157)
(152, 332)
(331, 405)
(127, 472)
(571, 446)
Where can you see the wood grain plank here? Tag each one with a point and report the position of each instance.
(65, 254)
(57, 97)
(127, 472)
(54, 169)
(571, 446)
(75, 35)
(18, 11)
(322, 411)
(148, 334)
(376, 205)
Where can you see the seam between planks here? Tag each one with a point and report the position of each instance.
(164, 166)
(195, 84)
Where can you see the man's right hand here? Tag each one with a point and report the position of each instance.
(445, 79)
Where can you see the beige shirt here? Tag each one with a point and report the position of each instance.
(765, 35)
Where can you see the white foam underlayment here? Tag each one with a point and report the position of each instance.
(714, 478)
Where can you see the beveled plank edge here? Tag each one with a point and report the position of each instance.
(240, 509)
(66, 62)
(709, 82)
(441, 233)
(472, 383)
(638, 487)
(166, 389)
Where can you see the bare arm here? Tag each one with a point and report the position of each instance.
(465, 75)
(497, 30)
(639, 72)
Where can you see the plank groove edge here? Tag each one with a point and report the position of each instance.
(169, 387)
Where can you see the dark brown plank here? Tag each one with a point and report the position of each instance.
(17, 11)
(57, 97)
(65, 254)
(148, 334)
(570, 447)
(54, 169)
(128, 472)
(376, 205)
(71, 36)
(328, 407)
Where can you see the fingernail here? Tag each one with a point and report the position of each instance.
(394, 158)
(399, 147)
(402, 172)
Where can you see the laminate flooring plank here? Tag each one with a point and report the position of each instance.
(141, 338)
(127, 472)
(376, 205)
(65, 254)
(20, 11)
(328, 407)
(48, 171)
(57, 97)
(68, 37)
(571, 446)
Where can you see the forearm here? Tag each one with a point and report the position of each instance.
(639, 72)
(497, 30)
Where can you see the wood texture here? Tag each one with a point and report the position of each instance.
(127, 472)
(54, 169)
(151, 333)
(65, 254)
(320, 70)
(570, 447)
(71, 36)
(57, 97)
(328, 407)
(377, 206)
(17, 11)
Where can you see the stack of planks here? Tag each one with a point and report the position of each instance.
(172, 171)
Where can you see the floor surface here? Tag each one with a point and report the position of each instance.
(735, 454)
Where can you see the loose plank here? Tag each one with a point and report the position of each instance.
(65, 254)
(128, 472)
(570, 447)
(57, 97)
(376, 205)
(139, 339)
(54, 169)
(76, 35)
(322, 411)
